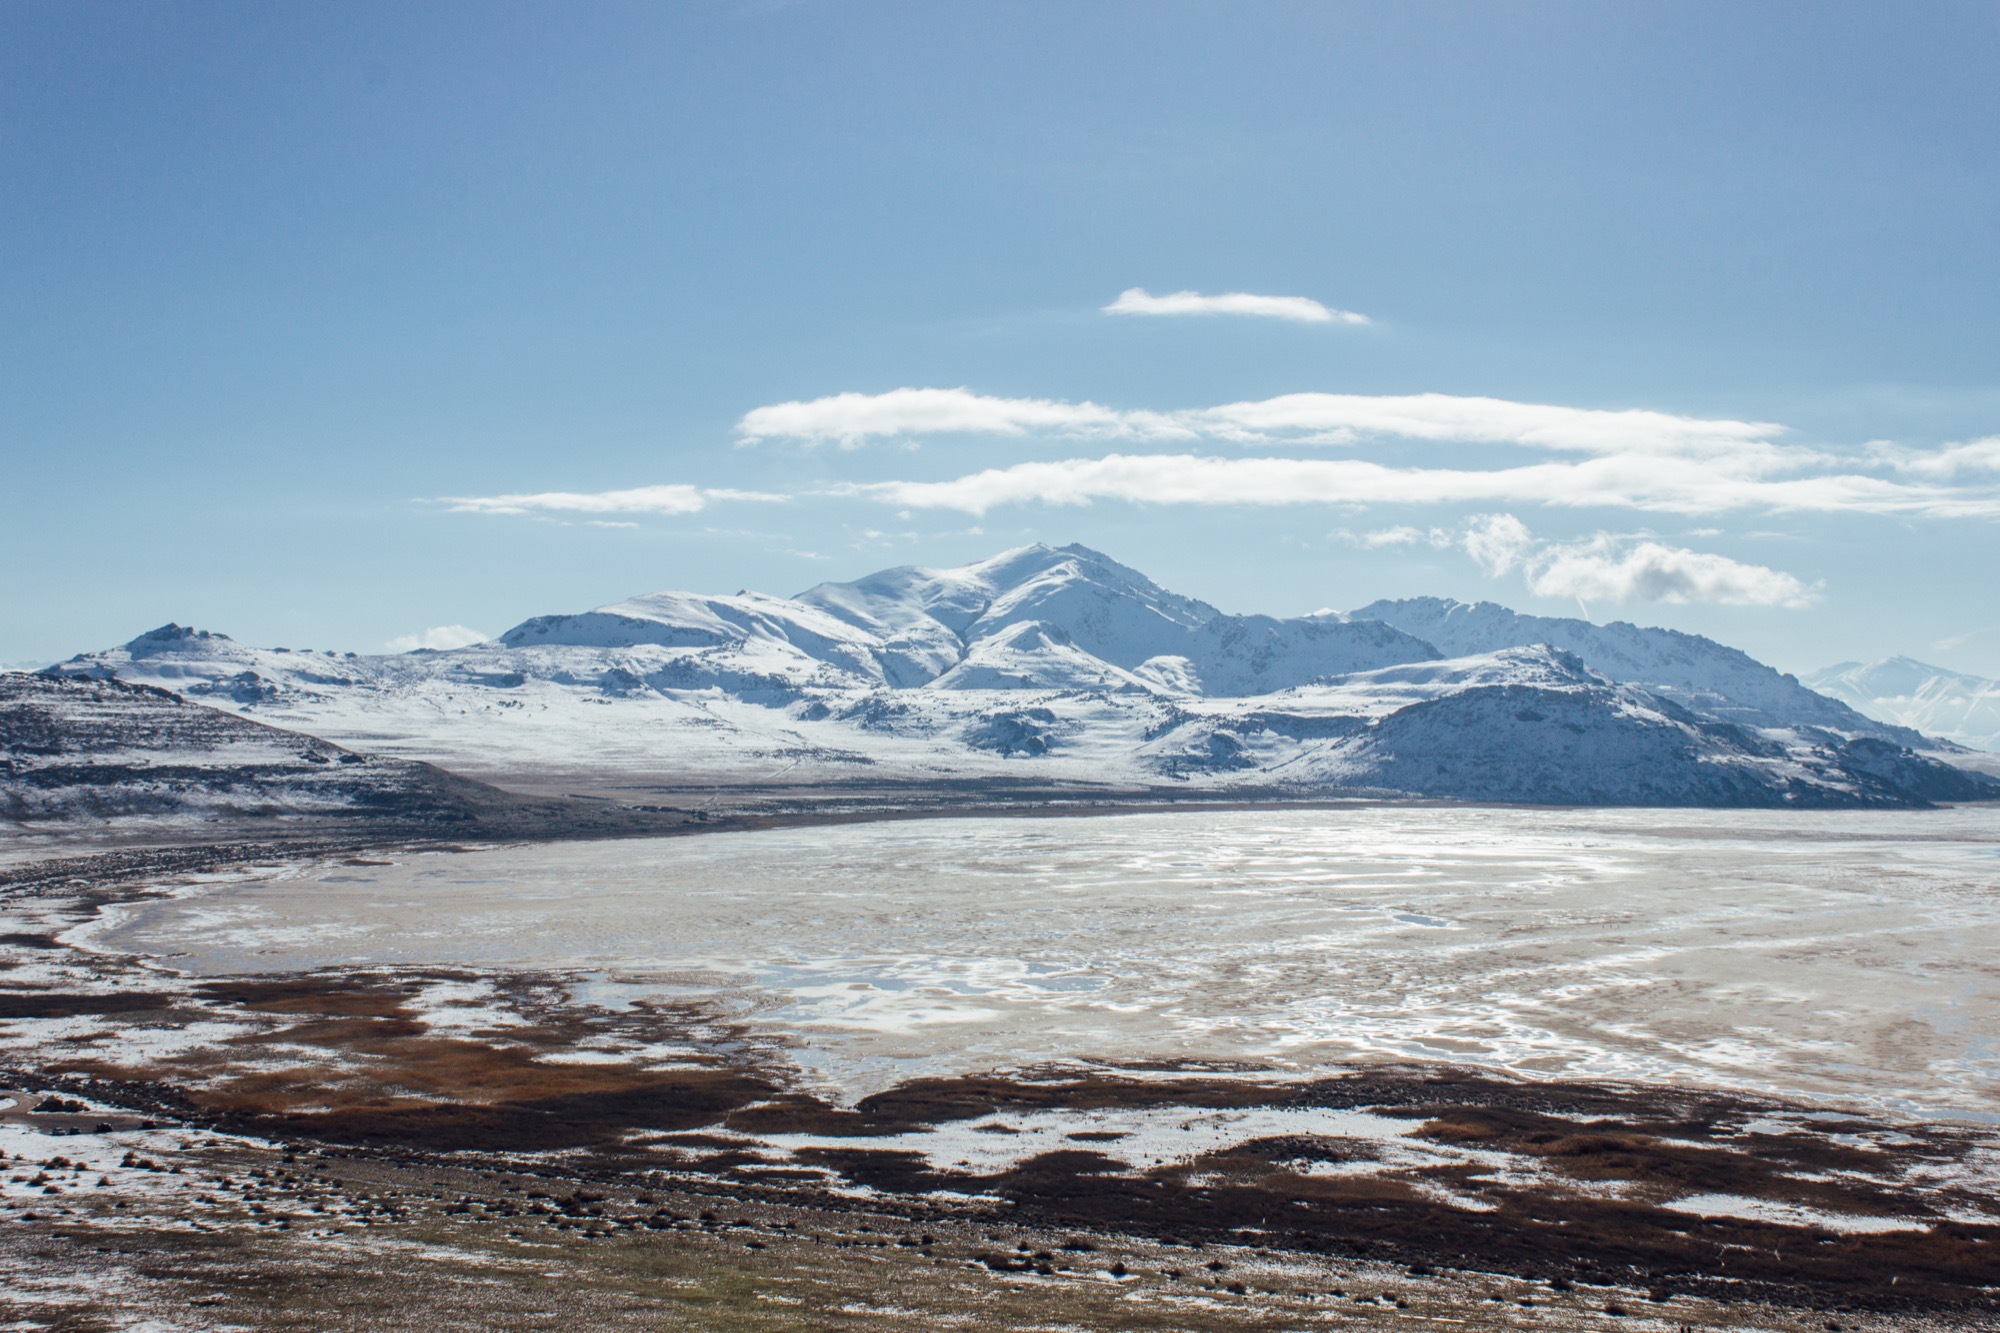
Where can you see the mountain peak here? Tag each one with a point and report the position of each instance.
(174, 633)
(1935, 700)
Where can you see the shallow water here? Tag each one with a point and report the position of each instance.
(1842, 956)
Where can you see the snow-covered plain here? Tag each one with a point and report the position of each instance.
(1060, 665)
(1839, 956)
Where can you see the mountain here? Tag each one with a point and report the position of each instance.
(1698, 673)
(1909, 693)
(99, 749)
(1028, 616)
(1058, 665)
(83, 750)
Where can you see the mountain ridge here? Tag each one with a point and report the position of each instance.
(1059, 664)
(1956, 705)
(1691, 668)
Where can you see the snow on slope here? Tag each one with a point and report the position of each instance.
(937, 618)
(98, 750)
(1044, 664)
(771, 635)
(1697, 672)
(1032, 654)
(1535, 725)
(1909, 693)
(1107, 609)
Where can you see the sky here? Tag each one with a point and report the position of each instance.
(363, 325)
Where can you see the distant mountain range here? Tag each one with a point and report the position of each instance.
(1060, 665)
(1950, 704)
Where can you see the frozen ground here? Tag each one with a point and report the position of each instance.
(1266, 1068)
(1840, 956)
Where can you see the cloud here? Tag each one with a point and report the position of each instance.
(669, 499)
(1341, 418)
(1614, 569)
(1940, 464)
(1498, 543)
(1664, 484)
(1138, 301)
(1639, 459)
(1653, 572)
(1952, 643)
(1375, 541)
(852, 419)
(440, 637)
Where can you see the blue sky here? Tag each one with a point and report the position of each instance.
(325, 325)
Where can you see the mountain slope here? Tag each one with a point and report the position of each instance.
(934, 619)
(1908, 693)
(1536, 725)
(1701, 674)
(75, 749)
(86, 751)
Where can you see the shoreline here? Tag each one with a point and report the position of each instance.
(29, 845)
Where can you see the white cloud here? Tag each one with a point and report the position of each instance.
(669, 499)
(1342, 418)
(441, 637)
(851, 419)
(1638, 459)
(1614, 569)
(1663, 484)
(1498, 543)
(1138, 301)
(1381, 537)
(1940, 464)
(1953, 643)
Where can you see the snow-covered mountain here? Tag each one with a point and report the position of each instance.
(100, 750)
(1060, 665)
(1035, 617)
(1909, 693)
(1708, 677)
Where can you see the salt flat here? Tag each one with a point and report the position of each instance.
(1843, 956)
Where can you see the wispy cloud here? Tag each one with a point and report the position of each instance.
(440, 637)
(1952, 460)
(1639, 459)
(1384, 537)
(1952, 643)
(1615, 569)
(1302, 309)
(669, 499)
(1659, 483)
(852, 419)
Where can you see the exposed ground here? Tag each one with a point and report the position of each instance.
(366, 1149)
